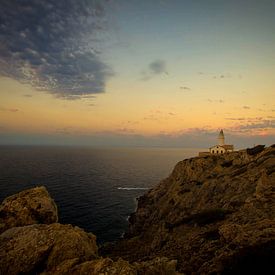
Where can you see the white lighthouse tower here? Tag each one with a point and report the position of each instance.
(221, 138)
(220, 148)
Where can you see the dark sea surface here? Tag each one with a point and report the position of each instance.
(95, 189)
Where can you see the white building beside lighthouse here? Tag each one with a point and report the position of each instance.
(221, 147)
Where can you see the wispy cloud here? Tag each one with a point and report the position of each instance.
(223, 76)
(215, 100)
(235, 118)
(125, 130)
(252, 125)
(53, 46)
(185, 88)
(12, 110)
(159, 116)
(264, 124)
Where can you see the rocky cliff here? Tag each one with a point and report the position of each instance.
(212, 215)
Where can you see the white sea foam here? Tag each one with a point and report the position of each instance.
(132, 188)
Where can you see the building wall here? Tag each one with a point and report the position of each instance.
(217, 150)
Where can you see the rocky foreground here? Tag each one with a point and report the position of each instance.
(212, 215)
(32, 242)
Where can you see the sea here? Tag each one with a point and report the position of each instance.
(94, 188)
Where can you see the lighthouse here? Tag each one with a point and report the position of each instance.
(220, 148)
(221, 138)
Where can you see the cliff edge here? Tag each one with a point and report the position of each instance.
(214, 214)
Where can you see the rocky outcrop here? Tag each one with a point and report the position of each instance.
(33, 243)
(28, 207)
(214, 214)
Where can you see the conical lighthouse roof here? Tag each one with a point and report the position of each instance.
(221, 135)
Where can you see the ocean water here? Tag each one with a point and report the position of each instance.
(95, 189)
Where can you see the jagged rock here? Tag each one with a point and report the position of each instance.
(219, 226)
(36, 248)
(31, 206)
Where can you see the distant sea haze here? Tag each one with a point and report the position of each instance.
(95, 189)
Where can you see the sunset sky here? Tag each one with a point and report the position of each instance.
(137, 73)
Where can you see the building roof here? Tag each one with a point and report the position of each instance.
(226, 146)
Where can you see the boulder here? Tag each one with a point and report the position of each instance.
(36, 248)
(32, 206)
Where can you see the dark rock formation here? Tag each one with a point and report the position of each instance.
(28, 207)
(255, 150)
(214, 214)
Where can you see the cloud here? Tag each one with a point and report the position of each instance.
(125, 130)
(132, 122)
(222, 76)
(253, 125)
(12, 110)
(246, 107)
(215, 100)
(185, 88)
(246, 119)
(159, 116)
(156, 67)
(53, 45)
(265, 124)
(27, 95)
(237, 118)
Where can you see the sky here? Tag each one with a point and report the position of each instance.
(168, 73)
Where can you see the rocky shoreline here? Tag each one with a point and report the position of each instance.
(212, 215)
